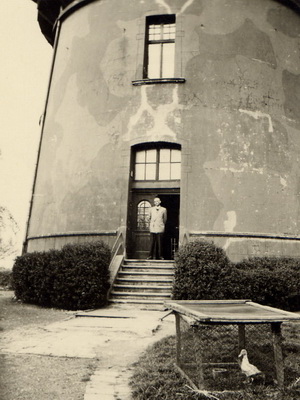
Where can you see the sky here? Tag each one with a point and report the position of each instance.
(24, 74)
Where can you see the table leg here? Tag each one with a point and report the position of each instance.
(178, 339)
(198, 356)
(242, 337)
(277, 341)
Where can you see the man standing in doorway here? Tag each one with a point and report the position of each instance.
(158, 218)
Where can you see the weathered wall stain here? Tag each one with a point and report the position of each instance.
(291, 86)
(247, 41)
(152, 116)
(284, 20)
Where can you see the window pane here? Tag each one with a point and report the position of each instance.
(175, 171)
(165, 155)
(175, 155)
(164, 172)
(168, 59)
(150, 172)
(140, 172)
(154, 60)
(155, 163)
(151, 156)
(169, 31)
(154, 32)
(140, 157)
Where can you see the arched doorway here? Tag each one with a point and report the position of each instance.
(155, 172)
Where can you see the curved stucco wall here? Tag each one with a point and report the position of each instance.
(236, 117)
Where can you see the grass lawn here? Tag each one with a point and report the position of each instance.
(156, 378)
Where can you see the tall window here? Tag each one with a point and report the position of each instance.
(157, 164)
(160, 47)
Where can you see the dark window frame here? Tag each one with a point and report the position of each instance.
(158, 147)
(159, 20)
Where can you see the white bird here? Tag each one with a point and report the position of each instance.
(295, 384)
(250, 370)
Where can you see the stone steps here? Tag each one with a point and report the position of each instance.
(143, 282)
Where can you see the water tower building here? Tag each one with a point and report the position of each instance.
(194, 101)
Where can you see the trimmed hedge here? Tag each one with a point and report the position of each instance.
(270, 263)
(203, 271)
(200, 269)
(75, 277)
(271, 281)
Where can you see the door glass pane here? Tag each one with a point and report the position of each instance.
(140, 172)
(143, 214)
(151, 156)
(165, 155)
(175, 171)
(150, 172)
(168, 59)
(164, 172)
(154, 60)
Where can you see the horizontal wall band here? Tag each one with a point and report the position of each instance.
(72, 234)
(191, 234)
(243, 235)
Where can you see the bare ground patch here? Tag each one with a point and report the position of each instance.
(32, 377)
(36, 377)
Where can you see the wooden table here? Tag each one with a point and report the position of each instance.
(233, 312)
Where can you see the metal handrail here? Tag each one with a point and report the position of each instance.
(118, 255)
(118, 243)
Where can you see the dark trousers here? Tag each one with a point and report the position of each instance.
(156, 245)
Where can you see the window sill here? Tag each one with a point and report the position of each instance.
(140, 82)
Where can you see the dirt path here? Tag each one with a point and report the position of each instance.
(52, 354)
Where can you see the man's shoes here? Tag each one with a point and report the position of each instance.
(161, 258)
(149, 258)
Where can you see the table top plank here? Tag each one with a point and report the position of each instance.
(230, 311)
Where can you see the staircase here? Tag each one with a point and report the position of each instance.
(143, 282)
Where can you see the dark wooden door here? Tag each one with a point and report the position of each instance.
(138, 224)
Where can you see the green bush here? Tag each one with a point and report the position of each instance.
(75, 277)
(200, 270)
(271, 281)
(5, 279)
(30, 276)
(269, 263)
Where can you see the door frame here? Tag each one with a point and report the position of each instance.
(171, 196)
(151, 188)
